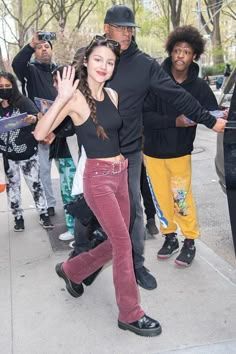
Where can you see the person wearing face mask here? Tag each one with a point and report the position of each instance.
(19, 149)
(35, 76)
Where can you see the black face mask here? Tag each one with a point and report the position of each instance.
(5, 93)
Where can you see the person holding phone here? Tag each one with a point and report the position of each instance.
(35, 75)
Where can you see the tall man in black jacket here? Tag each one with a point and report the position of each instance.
(138, 74)
(36, 78)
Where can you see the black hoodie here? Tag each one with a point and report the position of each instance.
(162, 139)
(138, 74)
(36, 77)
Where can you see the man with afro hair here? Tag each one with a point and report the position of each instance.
(168, 143)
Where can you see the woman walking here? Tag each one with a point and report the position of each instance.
(93, 110)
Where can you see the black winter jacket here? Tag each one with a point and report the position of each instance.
(162, 139)
(138, 74)
(36, 79)
(19, 144)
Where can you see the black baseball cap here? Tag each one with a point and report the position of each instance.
(120, 15)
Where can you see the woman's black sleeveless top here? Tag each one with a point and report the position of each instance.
(109, 118)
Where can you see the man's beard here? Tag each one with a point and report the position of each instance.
(46, 60)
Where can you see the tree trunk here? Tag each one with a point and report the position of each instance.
(2, 65)
(175, 11)
(212, 27)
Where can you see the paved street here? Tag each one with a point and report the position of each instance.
(196, 306)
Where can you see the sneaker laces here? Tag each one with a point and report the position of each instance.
(188, 243)
(18, 218)
(169, 238)
(143, 270)
(44, 217)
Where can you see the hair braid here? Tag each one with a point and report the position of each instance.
(84, 88)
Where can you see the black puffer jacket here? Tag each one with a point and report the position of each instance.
(138, 74)
(162, 139)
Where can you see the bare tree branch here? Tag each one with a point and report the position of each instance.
(8, 42)
(83, 14)
(9, 27)
(9, 12)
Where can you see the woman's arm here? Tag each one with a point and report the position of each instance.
(62, 106)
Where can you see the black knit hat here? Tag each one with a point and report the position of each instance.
(120, 15)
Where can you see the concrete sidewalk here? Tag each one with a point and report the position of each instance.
(196, 306)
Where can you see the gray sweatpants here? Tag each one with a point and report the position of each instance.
(45, 173)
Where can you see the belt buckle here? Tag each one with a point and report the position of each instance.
(114, 172)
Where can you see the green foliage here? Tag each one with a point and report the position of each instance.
(213, 70)
(150, 37)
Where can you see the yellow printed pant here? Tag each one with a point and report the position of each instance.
(171, 183)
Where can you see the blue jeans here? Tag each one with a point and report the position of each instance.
(106, 192)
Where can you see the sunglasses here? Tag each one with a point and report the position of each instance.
(101, 39)
(129, 29)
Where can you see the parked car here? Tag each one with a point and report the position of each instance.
(225, 160)
(224, 103)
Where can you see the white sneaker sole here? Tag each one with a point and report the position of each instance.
(46, 227)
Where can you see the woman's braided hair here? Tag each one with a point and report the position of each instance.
(83, 83)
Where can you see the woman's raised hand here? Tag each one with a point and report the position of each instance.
(66, 84)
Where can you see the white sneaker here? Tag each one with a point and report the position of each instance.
(67, 236)
(72, 244)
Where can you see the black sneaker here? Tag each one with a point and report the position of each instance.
(99, 236)
(51, 211)
(45, 221)
(151, 227)
(170, 246)
(187, 253)
(145, 279)
(19, 224)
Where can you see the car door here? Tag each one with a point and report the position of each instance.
(229, 148)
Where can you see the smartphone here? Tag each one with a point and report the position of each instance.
(217, 113)
(188, 120)
(47, 36)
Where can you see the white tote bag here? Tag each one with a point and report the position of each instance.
(77, 187)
